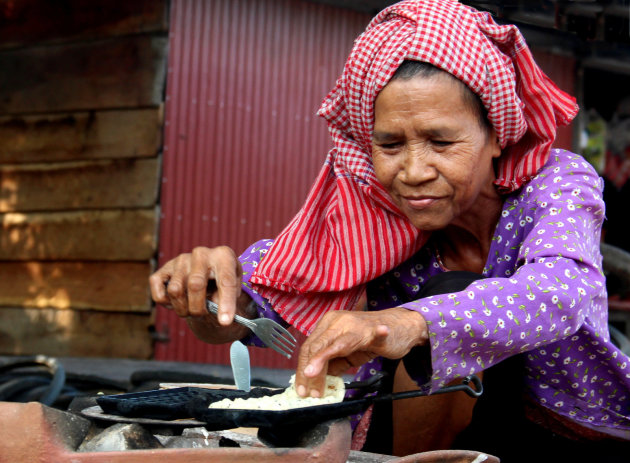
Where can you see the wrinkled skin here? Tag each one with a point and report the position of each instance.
(182, 286)
(347, 339)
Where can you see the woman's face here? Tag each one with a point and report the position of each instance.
(430, 151)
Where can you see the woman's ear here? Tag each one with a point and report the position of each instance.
(494, 142)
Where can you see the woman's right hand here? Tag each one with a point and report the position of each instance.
(182, 285)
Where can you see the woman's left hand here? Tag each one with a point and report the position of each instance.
(345, 339)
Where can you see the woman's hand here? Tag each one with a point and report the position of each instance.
(182, 285)
(348, 339)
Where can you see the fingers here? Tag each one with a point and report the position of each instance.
(344, 339)
(335, 340)
(328, 356)
(345, 351)
(226, 270)
(310, 379)
(157, 284)
(182, 282)
(314, 383)
(200, 271)
(168, 284)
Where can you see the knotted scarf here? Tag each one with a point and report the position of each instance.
(349, 231)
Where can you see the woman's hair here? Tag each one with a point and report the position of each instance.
(409, 69)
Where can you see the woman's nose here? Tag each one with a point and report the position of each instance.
(417, 167)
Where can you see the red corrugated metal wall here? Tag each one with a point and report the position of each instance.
(242, 142)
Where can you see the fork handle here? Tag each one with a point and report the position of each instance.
(214, 308)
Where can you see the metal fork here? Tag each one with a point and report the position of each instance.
(268, 331)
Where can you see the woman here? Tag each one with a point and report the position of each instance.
(477, 244)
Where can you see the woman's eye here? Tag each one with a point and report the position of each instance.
(389, 146)
(442, 143)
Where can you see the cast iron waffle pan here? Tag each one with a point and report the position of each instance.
(177, 403)
(217, 419)
(191, 402)
(169, 404)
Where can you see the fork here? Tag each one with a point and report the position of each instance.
(269, 332)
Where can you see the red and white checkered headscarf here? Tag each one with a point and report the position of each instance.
(349, 231)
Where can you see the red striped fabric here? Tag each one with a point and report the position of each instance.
(349, 231)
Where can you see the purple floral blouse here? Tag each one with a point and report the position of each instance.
(543, 295)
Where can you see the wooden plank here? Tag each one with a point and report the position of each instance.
(79, 185)
(83, 235)
(111, 286)
(115, 73)
(80, 135)
(70, 333)
(36, 21)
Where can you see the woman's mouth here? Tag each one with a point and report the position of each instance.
(419, 202)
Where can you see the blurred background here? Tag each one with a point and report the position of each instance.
(131, 132)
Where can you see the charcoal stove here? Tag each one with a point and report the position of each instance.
(85, 433)
(35, 432)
